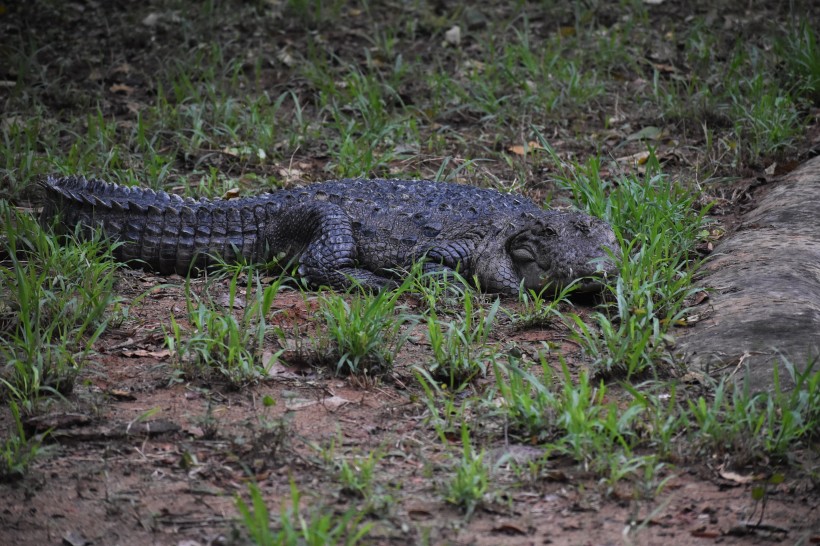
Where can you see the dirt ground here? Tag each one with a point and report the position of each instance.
(140, 456)
(139, 459)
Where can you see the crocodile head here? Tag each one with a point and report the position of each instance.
(561, 247)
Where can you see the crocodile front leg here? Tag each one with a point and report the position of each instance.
(320, 236)
(478, 261)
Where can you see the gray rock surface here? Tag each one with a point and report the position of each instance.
(765, 277)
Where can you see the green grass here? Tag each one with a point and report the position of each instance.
(357, 475)
(471, 482)
(220, 344)
(756, 427)
(460, 346)
(212, 106)
(800, 49)
(658, 226)
(18, 451)
(365, 329)
(321, 527)
(540, 308)
(58, 300)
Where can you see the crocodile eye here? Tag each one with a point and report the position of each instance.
(522, 254)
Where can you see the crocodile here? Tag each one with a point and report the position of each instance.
(343, 232)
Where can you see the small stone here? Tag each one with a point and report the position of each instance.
(453, 36)
(151, 19)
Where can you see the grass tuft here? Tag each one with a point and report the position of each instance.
(58, 297)
(365, 329)
(220, 343)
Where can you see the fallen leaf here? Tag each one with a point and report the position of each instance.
(279, 370)
(299, 403)
(647, 133)
(143, 353)
(689, 320)
(11, 121)
(232, 193)
(525, 149)
(334, 402)
(635, 159)
(703, 533)
(151, 19)
(453, 36)
(121, 89)
(739, 479)
(664, 68)
(235, 302)
(509, 529)
(123, 68)
(419, 513)
(120, 394)
(291, 174)
(700, 297)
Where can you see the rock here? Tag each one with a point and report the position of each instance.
(765, 277)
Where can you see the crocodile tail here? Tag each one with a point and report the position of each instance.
(160, 231)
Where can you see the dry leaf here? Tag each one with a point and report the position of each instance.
(739, 479)
(417, 514)
(120, 394)
(286, 58)
(299, 403)
(334, 402)
(509, 529)
(143, 353)
(151, 19)
(225, 301)
(453, 36)
(121, 89)
(277, 369)
(647, 133)
(123, 68)
(11, 121)
(635, 159)
(664, 68)
(525, 149)
(291, 175)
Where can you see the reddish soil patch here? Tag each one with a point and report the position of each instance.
(142, 460)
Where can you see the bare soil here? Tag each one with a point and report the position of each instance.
(141, 459)
(139, 455)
